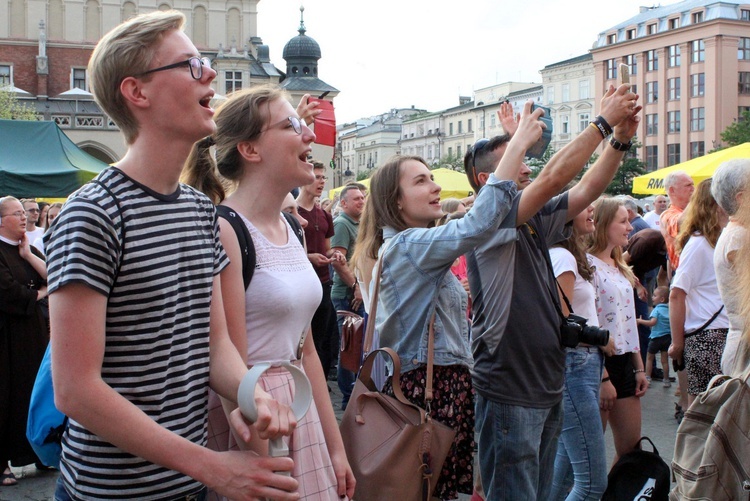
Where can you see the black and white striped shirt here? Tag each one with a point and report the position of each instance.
(157, 326)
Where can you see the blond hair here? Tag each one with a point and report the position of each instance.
(240, 118)
(125, 51)
(605, 210)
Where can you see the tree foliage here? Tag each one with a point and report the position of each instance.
(738, 132)
(13, 109)
(631, 167)
(452, 161)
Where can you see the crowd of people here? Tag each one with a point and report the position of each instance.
(159, 304)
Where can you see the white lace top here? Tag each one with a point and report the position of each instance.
(281, 300)
(615, 306)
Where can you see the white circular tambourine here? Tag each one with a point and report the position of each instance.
(300, 404)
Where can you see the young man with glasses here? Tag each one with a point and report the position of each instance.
(32, 217)
(519, 363)
(318, 235)
(135, 298)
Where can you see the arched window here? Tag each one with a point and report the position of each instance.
(17, 18)
(234, 28)
(93, 21)
(128, 11)
(55, 20)
(165, 6)
(200, 26)
(294, 70)
(305, 70)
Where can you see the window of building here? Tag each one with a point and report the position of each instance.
(698, 84)
(458, 151)
(697, 119)
(674, 23)
(652, 60)
(232, 81)
(612, 38)
(634, 88)
(631, 34)
(493, 120)
(583, 121)
(78, 79)
(6, 75)
(652, 29)
(744, 83)
(652, 158)
(564, 124)
(673, 52)
(673, 122)
(673, 154)
(744, 49)
(583, 89)
(551, 94)
(460, 126)
(469, 125)
(565, 92)
(652, 92)
(698, 51)
(697, 149)
(652, 124)
(745, 14)
(632, 63)
(450, 129)
(450, 151)
(673, 85)
(741, 110)
(697, 17)
(611, 69)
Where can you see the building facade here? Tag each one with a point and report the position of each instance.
(690, 64)
(45, 46)
(568, 92)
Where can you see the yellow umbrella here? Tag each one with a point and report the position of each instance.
(698, 168)
(454, 184)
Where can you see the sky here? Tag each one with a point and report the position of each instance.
(384, 54)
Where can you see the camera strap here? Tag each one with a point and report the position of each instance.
(541, 244)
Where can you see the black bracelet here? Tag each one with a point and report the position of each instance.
(602, 126)
(620, 146)
(604, 380)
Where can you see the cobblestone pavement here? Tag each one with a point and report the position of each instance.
(658, 424)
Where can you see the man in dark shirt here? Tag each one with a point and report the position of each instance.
(318, 235)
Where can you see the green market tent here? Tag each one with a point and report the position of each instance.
(38, 160)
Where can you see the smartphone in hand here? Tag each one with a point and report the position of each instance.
(624, 72)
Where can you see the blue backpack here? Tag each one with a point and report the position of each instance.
(46, 424)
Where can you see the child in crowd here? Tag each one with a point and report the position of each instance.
(660, 337)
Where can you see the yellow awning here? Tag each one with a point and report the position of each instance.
(454, 184)
(698, 168)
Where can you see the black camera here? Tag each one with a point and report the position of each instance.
(574, 330)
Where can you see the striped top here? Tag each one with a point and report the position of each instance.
(157, 326)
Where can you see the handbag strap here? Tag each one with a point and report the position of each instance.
(370, 330)
(703, 327)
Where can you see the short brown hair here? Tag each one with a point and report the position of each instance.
(125, 51)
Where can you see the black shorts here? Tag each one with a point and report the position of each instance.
(658, 344)
(620, 370)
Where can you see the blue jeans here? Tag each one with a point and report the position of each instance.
(516, 449)
(345, 378)
(581, 460)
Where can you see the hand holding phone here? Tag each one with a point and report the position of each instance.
(624, 74)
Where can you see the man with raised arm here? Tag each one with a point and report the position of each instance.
(519, 361)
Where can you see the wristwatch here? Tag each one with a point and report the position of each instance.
(620, 146)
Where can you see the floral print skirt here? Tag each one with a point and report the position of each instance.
(452, 405)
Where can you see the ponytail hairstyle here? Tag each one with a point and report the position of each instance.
(242, 117)
(381, 210)
(605, 210)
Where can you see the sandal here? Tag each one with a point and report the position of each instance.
(7, 479)
(679, 413)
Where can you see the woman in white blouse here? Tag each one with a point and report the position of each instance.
(614, 281)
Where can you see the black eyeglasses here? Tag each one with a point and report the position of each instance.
(294, 121)
(474, 150)
(195, 64)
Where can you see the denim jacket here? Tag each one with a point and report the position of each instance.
(416, 281)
